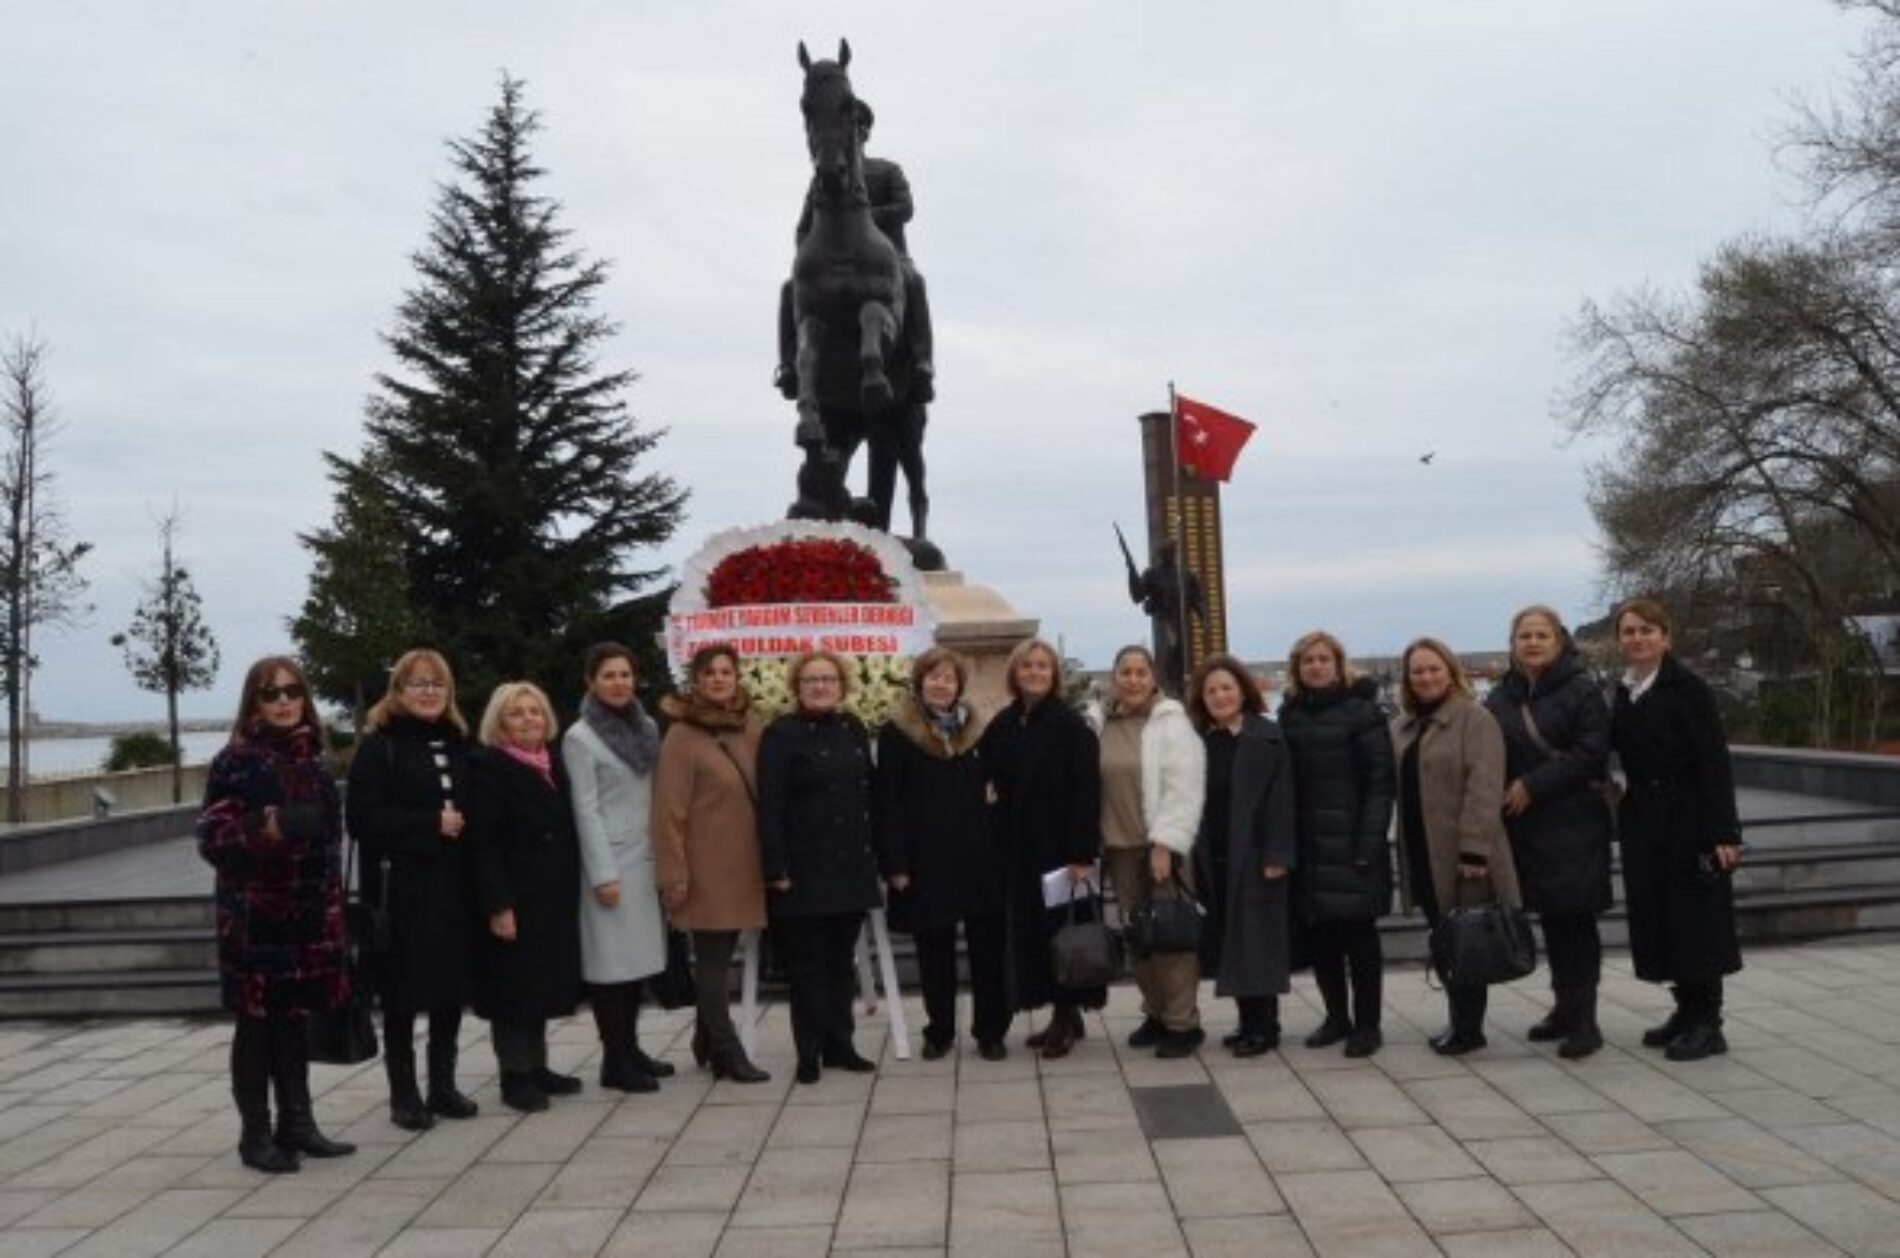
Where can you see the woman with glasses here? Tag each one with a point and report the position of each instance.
(272, 830)
(815, 833)
(610, 755)
(408, 789)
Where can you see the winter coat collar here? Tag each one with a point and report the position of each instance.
(1319, 700)
(402, 725)
(1441, 716)
(630, 734)
(1520, 687)
(910, 721)
(714, 717)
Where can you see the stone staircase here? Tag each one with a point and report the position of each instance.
(108, 957)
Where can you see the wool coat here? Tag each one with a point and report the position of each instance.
(705, 818)
(613, 808)
(279, 900)
(1461, 798)
(815, 815)
(1561, 843)
(1255, 951)
(1173, 773)
(935, 822)
(403, 773)
(525, 858)
(1045, 764)
(1345, 780)
(1678, 804)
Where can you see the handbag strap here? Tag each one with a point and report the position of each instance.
(1536, 735)
(750, 793)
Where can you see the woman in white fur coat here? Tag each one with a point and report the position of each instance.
(1153, 780)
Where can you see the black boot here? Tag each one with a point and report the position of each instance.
(618, 1070)
(406, 1109)
(652, 1065)
(444, 1098)
(1556, 1024)
(1329, 973)
(1669, 1028)
(250, 1088)
(1466, 1032)
(733, 1064)
(1585, 1037)
(521, 1092)
(296, 1123)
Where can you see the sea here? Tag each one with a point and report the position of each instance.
(67, 757)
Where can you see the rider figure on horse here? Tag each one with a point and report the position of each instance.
(891, 208)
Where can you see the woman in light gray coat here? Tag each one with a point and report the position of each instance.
(610, 754)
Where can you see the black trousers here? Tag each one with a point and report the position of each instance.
(1574, 948)
(712, 986)
(1701, 999)
(521, 1046)
(616, 1008)
(263, 1049)
(937, 970)
(1259, 1015)
(818, 954)
(1335, 946)
(399, 1038)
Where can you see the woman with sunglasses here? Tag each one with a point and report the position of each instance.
(408, 787)
(271, 828)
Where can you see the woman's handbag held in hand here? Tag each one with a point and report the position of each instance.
(1085, 954)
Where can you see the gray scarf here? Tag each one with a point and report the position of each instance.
(629, 733)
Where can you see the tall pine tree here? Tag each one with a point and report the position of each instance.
(505, 455)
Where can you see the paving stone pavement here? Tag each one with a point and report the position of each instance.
(118, 1138)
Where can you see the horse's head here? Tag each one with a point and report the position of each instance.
(831, 120)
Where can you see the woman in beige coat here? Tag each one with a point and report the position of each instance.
(1452, 846)
(706, 841)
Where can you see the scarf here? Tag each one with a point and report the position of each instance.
(628, 732)
(539, 760)
(945, 725)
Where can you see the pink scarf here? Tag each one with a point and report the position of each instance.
(538, 760)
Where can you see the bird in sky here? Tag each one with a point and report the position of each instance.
(1428, 456)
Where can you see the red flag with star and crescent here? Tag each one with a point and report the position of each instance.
(1207, 439)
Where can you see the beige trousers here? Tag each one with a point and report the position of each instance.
(1170, 982)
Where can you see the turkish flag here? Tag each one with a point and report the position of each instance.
(1207, 440)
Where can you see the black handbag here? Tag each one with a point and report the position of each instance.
(1477, 945)
(345, 1035)
(673, 987)
(1164, 923)
(366, 920)
(1084, 953)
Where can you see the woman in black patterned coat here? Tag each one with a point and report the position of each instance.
(271, 828)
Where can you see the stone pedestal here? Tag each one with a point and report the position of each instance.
(979, 624)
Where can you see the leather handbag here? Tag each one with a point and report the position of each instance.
(345, 1035)
(673, 987)
(1167, 919)
(1478, 945)
(1085, 953)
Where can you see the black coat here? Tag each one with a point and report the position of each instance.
(1561, 843)
(1252, 913)
(1679, 803)
(815, 816)
(1344, 781)
(394, 809)
(524, 856)
(1046, 767)
(934, 823)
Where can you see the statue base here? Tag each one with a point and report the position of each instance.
(980, 625)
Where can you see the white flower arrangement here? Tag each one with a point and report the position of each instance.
(878, 684)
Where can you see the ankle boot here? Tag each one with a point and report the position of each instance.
(1669, 1028)
(619, 1071)
(406, 1109)
(702, 1046)
(733, 1064)
(1556, 1024)
(1584, 1036)
(250, 1088)
(444, 1098)
(296, 1123)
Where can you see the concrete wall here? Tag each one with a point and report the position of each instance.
(64, 798)
(1871, 780)
(33, 847)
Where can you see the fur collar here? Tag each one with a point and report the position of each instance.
(909, 721)
(693, 710)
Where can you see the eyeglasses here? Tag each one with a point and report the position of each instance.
(820, 679)
(425, 687)
(272, 694)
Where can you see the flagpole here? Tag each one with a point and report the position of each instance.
(1180, 534)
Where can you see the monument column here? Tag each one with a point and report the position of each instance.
(1184, 509)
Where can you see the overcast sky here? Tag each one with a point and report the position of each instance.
(1363, 225)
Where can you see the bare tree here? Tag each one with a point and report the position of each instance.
(40, 584)
(168, 647)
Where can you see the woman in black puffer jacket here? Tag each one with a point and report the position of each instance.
(1343, 786)
(1556, 743)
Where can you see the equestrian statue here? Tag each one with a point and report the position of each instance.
(854, 321)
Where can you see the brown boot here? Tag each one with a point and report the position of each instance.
(1065, 1028)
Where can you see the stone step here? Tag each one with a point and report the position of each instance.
(152, 913)
(85, 952)
(108, 994)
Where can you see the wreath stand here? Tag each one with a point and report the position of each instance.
(868, 985)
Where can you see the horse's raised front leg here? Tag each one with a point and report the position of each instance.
(877, 332)
(811, 426)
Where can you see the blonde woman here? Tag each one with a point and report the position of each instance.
(526, 864)
(1451, 798)
(406, 806)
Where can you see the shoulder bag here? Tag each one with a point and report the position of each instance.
(1084, 953)
(346, 1034)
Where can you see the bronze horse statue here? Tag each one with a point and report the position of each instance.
(853, 361)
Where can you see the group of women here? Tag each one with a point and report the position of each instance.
(517, 873)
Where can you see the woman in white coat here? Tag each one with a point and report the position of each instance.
(1154, 778)
(610, 754)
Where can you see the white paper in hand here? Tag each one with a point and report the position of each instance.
(1057, 886)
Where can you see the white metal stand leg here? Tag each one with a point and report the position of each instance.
(887, 971)
(749, 993)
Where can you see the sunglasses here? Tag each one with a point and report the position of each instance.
(271, 694)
